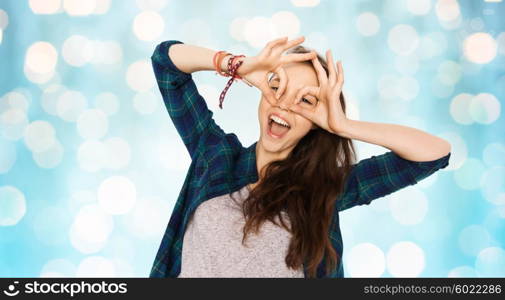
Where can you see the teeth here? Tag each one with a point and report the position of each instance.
(279, 121)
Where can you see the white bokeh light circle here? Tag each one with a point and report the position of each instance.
(305, 3)
(13, 204)
(447, 10)
(148, 217)
(96, 266)
(102, 7)
(285, 23)
(78, 7)
(407, 65)
(92, 124)
(58, 267)
(70, 105)
(473, 238)
(431, 45)
(148, 25)
(237, 27)
(41, 58)
(13, 123)
(408, 206)
(118, 153)
(4, 19)
(92, 155)
(485, 108)
(117, 195)
(405, 259)
(140, 77)
(459, 108)
(494, 154)
(91, 229)
(462, 271)
(449, 72)
(368, 24)
(493, 188)
(77, 50)
(106, 52)
(407, 88)
(365, 260)
(469, 175)
(146, 102)
(173, 156)
(259, 31)
(419, 7)
(39, 136)
(50, 96)
(156, 5)
(107, 102)
(480, 48)
(8, 157)
(51, 157)
(459, 152)
(403, 39)
(491, 262)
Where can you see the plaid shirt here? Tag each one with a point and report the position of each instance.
(220, 165)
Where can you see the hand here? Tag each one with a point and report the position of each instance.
(256, 69)
(327, 113)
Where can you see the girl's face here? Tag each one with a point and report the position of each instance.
(277, 138)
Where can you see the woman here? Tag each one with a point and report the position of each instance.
(271, 209)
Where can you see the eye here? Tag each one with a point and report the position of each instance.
(307, 101)
(274, 87)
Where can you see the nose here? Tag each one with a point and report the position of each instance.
(285, 101)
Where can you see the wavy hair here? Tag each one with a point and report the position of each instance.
(305, 186)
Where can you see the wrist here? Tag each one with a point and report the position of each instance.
(224, 63)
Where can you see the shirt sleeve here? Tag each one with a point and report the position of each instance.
(384, 174)
(186, 107)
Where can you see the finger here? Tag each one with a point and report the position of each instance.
(272, 44)
(267, 91)
(293, 42)
(283, 81)
(297, 57)
(321, 73)
(306, 90)
(304, 112)
(332, 78)
(340, 75)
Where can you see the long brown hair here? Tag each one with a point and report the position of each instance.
(305, 185)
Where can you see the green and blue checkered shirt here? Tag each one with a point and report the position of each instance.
(220, 164)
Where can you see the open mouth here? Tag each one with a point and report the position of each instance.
(277, 127)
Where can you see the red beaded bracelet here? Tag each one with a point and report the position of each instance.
(233, 73)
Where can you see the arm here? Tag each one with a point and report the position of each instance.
(173, 62)
(414, 156)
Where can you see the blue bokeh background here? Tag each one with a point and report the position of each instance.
(91, 165)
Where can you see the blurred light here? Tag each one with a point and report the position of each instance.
(14, 99)
(285, 23)
(39, 136)
(13, 204)
(368, 24)
(174, 156)
(403, 39)
(494, 154)
(148, 25)
(419, 7)
(459, 108)
(79, 198)
(118, 153)
(107, 102)
(106, 52)
(51, 157)
(120, 247)
(449, 72)
(13, 123)
(1, 36)
(197, 31)
(50, 224)
(485, 108)
(473, 238)
(102, 7)
(147, 219)
(259, 31)
(237, 28)
(50, 96)
(45, 6)
(493, 188)
(92, 155)
(151, 4)
(407, 65)
(146, 102)
(431, 45)
(78, 7)
(92, 124)
(408, 206)
(459, 150)
(491, 262)
(440, 89)
(96, 266)
(117, 195)
(305, 3)
(500, 40)
(140, 77)
(469, 176)
(447, 10)
(365, 260)
(317, 40)
(463, 271)
(41, 58)
(407, 88)
(4, 19)
(405, 259)
(77, 50)
(480, 48)
(59, 267)
(70, 105)
(91, 229)
(8, 157)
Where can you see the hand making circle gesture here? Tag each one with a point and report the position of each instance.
(327, 113)
(255, 69)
